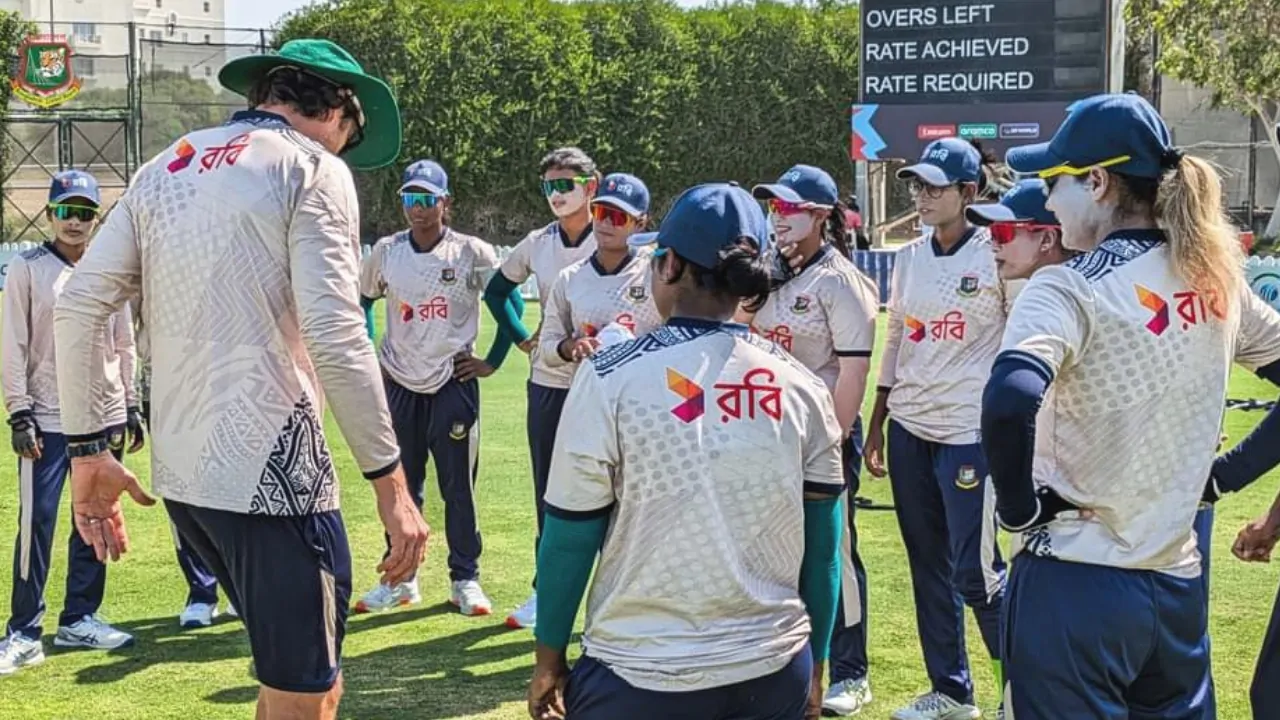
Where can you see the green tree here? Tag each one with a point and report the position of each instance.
(1229, 47)
(734, 92)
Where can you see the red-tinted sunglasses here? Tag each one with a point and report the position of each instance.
(607, 213)
(784, 208)
(1002, 233)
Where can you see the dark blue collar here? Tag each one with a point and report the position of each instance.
(1142, 235)
(56, 253)
(964, 240)
(817, 258)
(572, 243)
(595, 263)
(708, 325)
(258, 117)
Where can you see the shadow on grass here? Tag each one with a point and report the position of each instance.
(439, 677)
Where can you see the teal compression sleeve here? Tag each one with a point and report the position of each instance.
(497, 297)
(820, 570)
(367, 305)
(565, 558)
(502, 340)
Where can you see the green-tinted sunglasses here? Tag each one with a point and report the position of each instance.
(425, 200)
(79, 212)
(564, 185)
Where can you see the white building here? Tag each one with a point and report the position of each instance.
(168, 33)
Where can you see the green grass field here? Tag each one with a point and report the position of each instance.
(429, 663)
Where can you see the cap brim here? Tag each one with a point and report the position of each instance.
(644, 239)
(781, 192)
(625, 207)
(992, 213)
(75, 194)
(422, 185)
(382, 130)
(1029, 159)
(927, 174)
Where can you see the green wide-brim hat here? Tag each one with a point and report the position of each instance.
(382, 131)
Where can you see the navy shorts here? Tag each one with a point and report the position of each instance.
(594, 692)
(290, 580)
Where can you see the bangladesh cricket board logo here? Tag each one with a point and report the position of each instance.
(45, 78)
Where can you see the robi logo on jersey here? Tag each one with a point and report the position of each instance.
(1192, 308)
(437, 308)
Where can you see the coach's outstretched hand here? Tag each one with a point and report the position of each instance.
(1257, 539)
(97, 481)
(136, 429)
(26, 435)
(406, 530)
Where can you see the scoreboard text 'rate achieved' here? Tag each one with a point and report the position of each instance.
(1002, 71)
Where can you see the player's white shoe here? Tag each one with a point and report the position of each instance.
(847, 697)
(385, 597)
(469, 598)
(936, 706)
(18, 651)
(232, 612)
(91, 631)
(197, 615)
(525, 616)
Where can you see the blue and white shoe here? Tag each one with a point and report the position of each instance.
(198, 615)
(18, 651)
(91, 632)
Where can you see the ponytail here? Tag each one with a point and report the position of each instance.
(1204, 244)
(986, 170)
(834, 231)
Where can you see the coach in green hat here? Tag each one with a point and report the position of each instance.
(380, 133)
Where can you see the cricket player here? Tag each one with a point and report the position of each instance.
(1111, 380)
(703, 464)
(947, 311)
(432, 276)
(825, 316)
(569, 182)
(609, 288)
(29, 379)
(242, 241)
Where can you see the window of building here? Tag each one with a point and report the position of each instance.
(208, 38)
(206, 7)
(208, 71)
(156, 35)
(186, 70)
(84, 31)
(185, 37)
(84, 66)
(159, 3)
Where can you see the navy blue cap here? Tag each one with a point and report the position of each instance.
(626, 192)
(74, 184)
(426, 175)
(801, 184)
(1023, 203)
(946, 162)
(1120, 132)
(705, 219)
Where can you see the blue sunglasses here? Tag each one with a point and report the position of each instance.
(426, 200)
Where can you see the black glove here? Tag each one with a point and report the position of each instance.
(1049, 504)
(136, 429)
(27, 438)
(1211, 493)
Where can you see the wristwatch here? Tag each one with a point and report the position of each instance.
(87, 448)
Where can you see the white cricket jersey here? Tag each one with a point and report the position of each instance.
(243, 241)
(1129, 429)
(34, 281)
(946, 315)
(544, 253)
(586, 298)
(827, 311)
(433, 303)
(703, 439)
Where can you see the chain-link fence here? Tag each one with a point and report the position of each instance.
(142, 87)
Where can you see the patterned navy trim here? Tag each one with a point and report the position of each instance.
(258, 117)
(1114, 252)
(37, 252)
(299, 478)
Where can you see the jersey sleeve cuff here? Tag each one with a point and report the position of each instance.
(382, 472)
(1038, 363)
(571, 515)
(853, 353)
(822, 488)
(87, 437)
